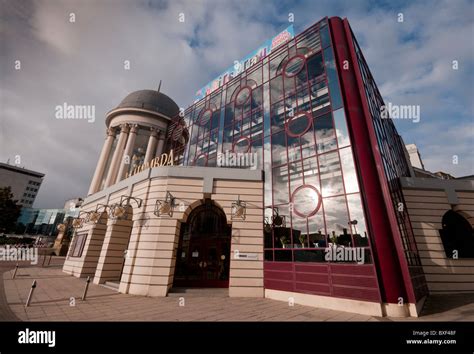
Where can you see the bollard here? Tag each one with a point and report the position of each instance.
(86, 288)
(30, 295)
(14, 273)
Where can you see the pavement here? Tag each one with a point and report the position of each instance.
(57, 297)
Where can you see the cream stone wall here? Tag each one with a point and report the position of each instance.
(426, 208)
(151, 242)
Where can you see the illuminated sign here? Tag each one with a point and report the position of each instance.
(162, 160)
(247, 62)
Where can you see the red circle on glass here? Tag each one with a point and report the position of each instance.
(243, 96)
(201, 157)
(299, 124)
(298, 60)
(205, 116)
(306, 200)
(238, 144)
(177, 132)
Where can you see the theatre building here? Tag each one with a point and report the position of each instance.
(282, 181)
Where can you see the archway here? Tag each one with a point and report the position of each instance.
(203, 258)
(457, 235)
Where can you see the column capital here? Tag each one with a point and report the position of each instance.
(124, 128)
(110, 131)
(154, 132)
(133, 128)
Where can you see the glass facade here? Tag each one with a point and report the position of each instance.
(288, 111)
(394, 161)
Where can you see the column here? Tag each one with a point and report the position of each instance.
(104, 156)
(117, 157)
(127, 154)
(151, 147)
(161, 143)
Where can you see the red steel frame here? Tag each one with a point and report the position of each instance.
(392, 266)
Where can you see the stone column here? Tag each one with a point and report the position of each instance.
(117, 157)
(161, 143)
(104, 156)
(127, 154)
(151, 147)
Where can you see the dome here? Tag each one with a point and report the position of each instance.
(150, 100)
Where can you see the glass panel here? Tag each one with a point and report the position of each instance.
(311, 176)
(332, 78)
(299, 232)
(294, 150)
(337, 220)
(325, 137)
(348, 170)
(296, 175)
(280, 185)
(315, 67)
(317, 233)
(279, 148)
(358, 225)
(307, 144)
(331, 178)
(341, 128)
(278, 116)
(283, 256)
(276, 89)
(267, 167)
(324, 33)
(320, 98)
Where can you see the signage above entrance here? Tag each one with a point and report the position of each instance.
(162, 160)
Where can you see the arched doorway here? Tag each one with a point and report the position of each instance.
(457, 235)
(203, 258)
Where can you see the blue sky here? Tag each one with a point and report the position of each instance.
(82, 63)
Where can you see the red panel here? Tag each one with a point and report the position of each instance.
(310, 268)
(288, 266)
(278, 275)
(313, 288)
(356, 293)
(365, 282)
(352, 269)
(278, 285)
(312, 278)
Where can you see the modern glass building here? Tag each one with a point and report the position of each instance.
(311, 112)
(287, 185)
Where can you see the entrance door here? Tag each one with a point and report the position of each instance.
(203, 257)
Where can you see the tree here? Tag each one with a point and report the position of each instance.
(9, 210)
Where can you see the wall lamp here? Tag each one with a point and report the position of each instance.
(120, 210)
(165, 207)
(94, 216)
(238, 209)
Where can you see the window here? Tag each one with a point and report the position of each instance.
(78, 244)
(457, 236)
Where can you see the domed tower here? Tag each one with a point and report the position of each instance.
(136, 133)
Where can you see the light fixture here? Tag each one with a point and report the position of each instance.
(165, 207)
(77, 223)
(238, 209)
(120, 210)
(94, 216)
